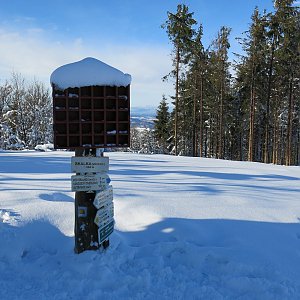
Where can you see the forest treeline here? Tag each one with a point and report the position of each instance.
(248, 109)
(245, 110)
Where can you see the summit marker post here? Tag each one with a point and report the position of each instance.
(89, 118)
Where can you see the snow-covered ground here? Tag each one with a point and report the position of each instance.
(186, 228)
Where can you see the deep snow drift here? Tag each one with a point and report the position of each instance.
(186, 228)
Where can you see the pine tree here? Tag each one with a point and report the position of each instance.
(198, 70)
(251, 74)
(256, 118)
(162, 125)
(287, 18)
(221, 82)
(180, 31)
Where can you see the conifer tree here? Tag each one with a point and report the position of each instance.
(251, 71)
(162, 125)
(179, 27)
(256, 117)
(287, 18)
(198, 70)
(221, 79)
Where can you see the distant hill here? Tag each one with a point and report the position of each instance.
(142, 116)
(149, 111)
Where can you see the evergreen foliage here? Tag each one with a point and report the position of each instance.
(180, 31)
(162, 131)
(254, 116)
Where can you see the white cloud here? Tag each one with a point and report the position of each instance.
(33, 54)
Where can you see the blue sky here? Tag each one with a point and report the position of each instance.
(36, 37)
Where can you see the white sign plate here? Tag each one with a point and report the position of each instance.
(89, 164)
(103, 197)
(104, 215)
(103, 222)
(89, 182)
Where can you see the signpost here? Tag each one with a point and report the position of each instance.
(94, 209)
(89, 118)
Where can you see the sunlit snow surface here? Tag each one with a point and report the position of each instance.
(186, 228)
(86, 72)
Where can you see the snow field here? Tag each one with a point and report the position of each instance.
(186, 228)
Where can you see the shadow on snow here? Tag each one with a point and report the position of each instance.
(231, 258)
(34, 164)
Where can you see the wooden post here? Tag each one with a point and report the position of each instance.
(86, 235)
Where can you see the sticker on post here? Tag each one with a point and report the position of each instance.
(82, 212)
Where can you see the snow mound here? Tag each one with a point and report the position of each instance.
(4, 216)
(44, 147)
(87, 72)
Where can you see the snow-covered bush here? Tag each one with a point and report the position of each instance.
(25, 114)
(142, 140)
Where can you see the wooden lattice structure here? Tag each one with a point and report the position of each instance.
(91, 117)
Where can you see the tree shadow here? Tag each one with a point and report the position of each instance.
(197, 179)
(56, 197)
(35, 164)
(201, 174)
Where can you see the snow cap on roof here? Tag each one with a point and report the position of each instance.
(87, 72)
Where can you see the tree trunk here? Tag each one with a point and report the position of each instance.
(252, 111)
(251, 123)
(267, 128)
(221, 125)
(288, 159)
(194, 139)
(176, 101)
(201, 118)
(275, 139)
